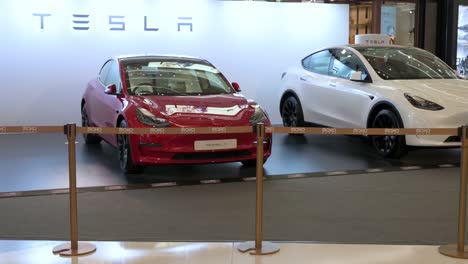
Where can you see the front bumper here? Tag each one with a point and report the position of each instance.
(435, 119)
(179, 149)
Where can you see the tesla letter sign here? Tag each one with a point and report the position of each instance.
(116, 23)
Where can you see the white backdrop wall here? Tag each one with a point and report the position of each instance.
(45, 68)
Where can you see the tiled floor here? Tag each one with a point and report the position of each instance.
(38, 252)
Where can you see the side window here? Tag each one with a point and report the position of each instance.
(104, 71)
(306, 63)
(113, 76)
(344, 63)
(318, 62)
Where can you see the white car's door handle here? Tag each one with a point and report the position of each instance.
(332, 84)
(302, 79)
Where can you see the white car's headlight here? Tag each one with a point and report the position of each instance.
(148, 118)
(422, 103)
(259, 116)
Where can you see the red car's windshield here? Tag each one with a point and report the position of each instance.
(174, 78)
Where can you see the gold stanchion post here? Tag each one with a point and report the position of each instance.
(259, 247)
(74, 248)
(460, 250)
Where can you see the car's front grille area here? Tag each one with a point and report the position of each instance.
(211, 155)
(452, 139)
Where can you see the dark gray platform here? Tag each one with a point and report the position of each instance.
(31, 162)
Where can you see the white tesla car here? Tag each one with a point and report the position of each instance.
(376, 87)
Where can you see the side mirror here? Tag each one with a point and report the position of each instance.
(356, 76)
(236, 86)
(111, 89)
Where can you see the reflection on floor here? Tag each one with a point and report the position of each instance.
(40, 252)
(35, 162)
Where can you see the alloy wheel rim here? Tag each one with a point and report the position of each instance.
(290, 113)
(123, 150)
(385, 143)
(84, 118)
(84, 121)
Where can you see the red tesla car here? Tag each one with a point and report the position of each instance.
(170, 91)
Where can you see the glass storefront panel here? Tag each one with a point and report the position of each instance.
(398, 20)
(462, 40)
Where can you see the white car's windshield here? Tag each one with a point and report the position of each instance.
(394, 63)
(174, 78)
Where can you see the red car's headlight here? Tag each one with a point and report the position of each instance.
(259, 116)
(148, 118)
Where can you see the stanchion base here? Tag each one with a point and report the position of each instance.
(66, 251)
(451, 251)
(267, 248)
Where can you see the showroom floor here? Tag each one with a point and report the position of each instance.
(330, 189)
(39, 252)
(414, 207)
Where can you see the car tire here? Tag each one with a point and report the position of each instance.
(88, 138)
(291, 113)
(388, 146)
(251, 163)
(125, 154)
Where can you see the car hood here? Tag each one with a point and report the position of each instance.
(208, 110)
(445, 92)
